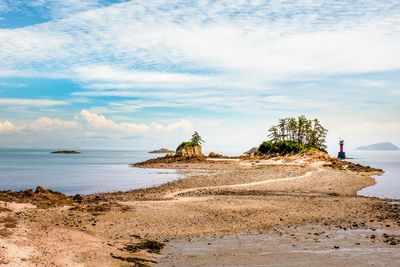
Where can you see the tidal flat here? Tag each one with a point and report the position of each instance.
(297, 211)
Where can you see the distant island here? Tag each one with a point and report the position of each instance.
(386, 146)
(65, 152)
(162, 150)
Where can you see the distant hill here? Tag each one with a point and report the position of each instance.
(162, 150)
(251, 150)
(386, 146)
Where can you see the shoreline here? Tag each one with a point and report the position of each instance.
(216, 198)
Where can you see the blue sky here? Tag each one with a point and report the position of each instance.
(145, 74)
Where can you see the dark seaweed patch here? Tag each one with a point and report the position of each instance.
(149, 245)
(138, 262)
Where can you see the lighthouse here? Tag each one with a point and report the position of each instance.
(341, 154)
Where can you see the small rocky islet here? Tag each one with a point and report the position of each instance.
(162, 151)
(65, 152)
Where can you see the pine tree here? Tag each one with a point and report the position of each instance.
(301, 130)
(196, 138)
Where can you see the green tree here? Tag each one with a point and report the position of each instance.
(292, 134)
(274, 134)
(196, 138)
(195, 141)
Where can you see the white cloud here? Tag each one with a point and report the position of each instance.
(374, 128)
(101, 122)
(135, 105)
(6, 126)
(64, 8)
(94, 121)
(371, 83)
(40, 125)
(103, 77)
(31, 102)
(180, 125)
(207, 54)
(263, 41)
(3, 6)
(54, 9)
(45, 123)
(278, 99)
(395, 92)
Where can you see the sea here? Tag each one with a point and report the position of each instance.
(387, 184)
(91, 171)
(95, 171)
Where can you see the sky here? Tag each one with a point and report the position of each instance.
(145, 74)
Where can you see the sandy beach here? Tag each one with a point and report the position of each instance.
(225, 212)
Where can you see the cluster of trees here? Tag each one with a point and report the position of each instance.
(195, 141)
(284, 147)
(290, 135)
(295, 135)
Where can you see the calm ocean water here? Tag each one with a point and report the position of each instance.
(91, 171)
(95, 171)
(388, 184)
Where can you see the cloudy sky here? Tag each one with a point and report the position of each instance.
(145, 74)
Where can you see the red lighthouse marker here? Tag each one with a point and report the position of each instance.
(341, 154)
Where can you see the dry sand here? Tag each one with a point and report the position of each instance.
(252, 212)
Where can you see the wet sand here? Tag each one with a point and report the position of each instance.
(296, 246)
(262, 203)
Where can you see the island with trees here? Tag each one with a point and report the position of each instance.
(301, 137)
(186, 151)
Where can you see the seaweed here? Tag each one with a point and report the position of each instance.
(138, 262)
(149, 245)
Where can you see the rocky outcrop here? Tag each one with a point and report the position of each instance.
(41, 197)
(214, 155)
(190, 152)
(187, 154)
